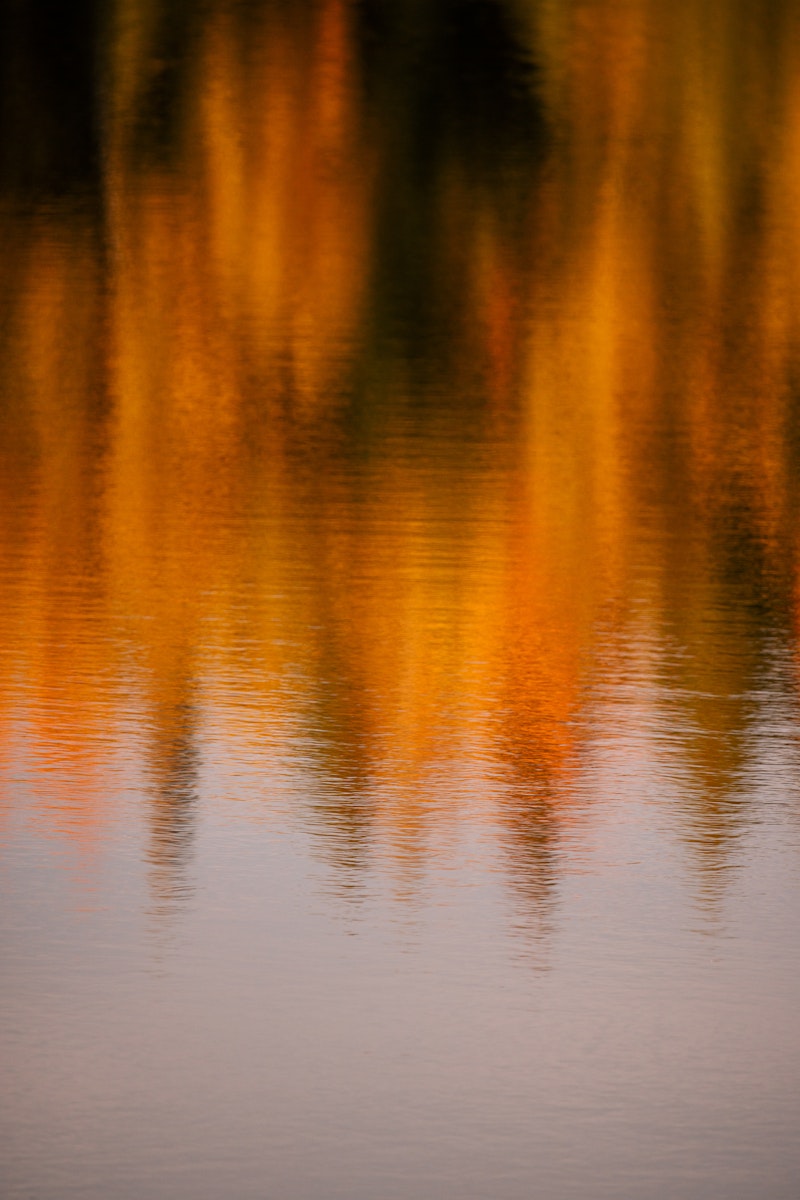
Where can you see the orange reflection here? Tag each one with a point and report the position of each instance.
(397, 449)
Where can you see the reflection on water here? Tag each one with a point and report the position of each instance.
(330, 369)
(399, 440)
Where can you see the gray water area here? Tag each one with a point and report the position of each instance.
(278, 1038)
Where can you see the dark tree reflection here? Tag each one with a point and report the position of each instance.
(174, 763)
(50, 95)
(451, 109)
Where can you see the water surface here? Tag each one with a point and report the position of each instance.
(399, 489)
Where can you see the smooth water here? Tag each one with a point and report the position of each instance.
(399, 600)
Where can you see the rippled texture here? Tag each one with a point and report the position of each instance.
(399, 481)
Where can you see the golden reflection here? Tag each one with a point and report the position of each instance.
(400, 428)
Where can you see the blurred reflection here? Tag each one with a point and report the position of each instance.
(175, 768)
(50, 119)
(387, 369)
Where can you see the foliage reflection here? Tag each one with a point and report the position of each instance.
(409, 388)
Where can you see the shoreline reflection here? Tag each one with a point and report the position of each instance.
(403, 430)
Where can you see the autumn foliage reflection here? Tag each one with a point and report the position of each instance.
(407, 447)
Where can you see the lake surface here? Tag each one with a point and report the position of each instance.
(400, 600)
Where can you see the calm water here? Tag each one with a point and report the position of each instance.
(400, 600)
